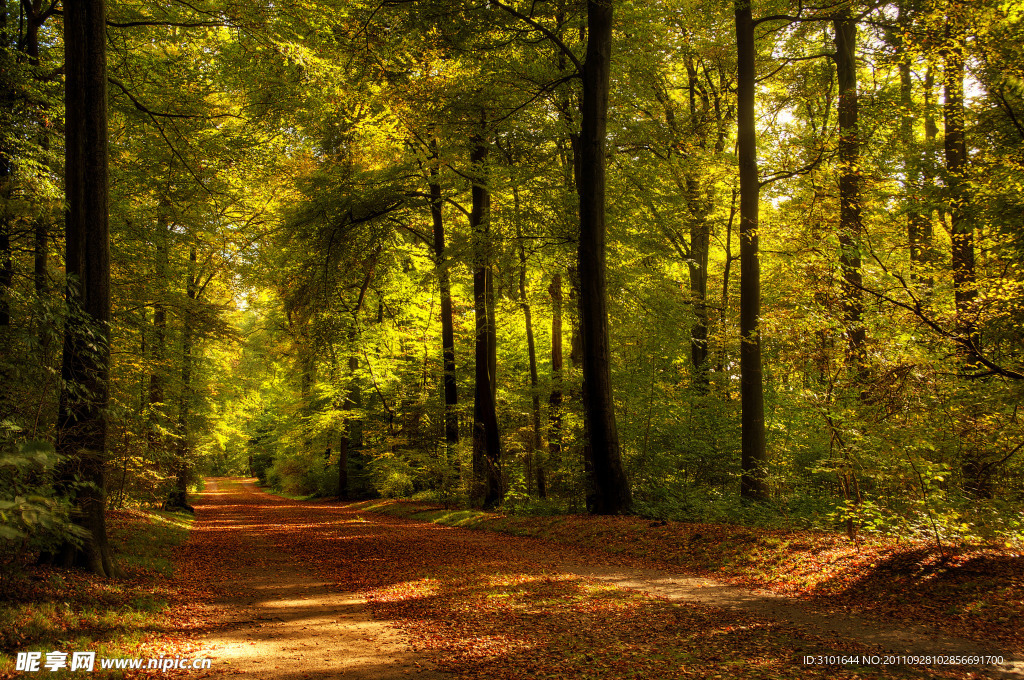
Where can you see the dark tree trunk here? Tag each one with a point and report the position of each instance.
(961, 225)
(6, 257)
(486, 439)
(555, 398)
(699, 202)
(82, 426)
(609, 477)
(973, 469)
(754, 458)
(351, 439)
(697, 263)
(6, 176)
(41, 226)
(849, 189)
(178, 497)
(724, 309)
(451, 393)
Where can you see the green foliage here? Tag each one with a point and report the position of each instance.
(33, 517)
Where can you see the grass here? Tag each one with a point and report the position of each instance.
(47, 609)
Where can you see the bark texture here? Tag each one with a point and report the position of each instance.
(609, 478)
(82, 425)
(754, 457)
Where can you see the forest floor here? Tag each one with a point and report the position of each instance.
(271, 588)
(293, 589)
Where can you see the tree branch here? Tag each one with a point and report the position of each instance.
(547, 33)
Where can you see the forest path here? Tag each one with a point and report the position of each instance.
(484, 605)
(267, 615)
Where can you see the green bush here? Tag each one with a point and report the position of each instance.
(33, 517)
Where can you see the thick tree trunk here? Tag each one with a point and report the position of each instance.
(451, 393)
(82, 426)
(754, 457)
(849, 189)
(961, 225)
(609, 477)
(486, 439)
(973, 469)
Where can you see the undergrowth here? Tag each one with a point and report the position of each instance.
(45, 609)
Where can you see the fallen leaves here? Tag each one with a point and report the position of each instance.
(487, 605)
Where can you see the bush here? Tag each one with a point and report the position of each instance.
(32, 516)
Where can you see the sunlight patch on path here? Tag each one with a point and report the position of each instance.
(278, 621)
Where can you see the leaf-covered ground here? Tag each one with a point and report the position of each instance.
(45, 609)
(491, 605)
(473, 604)
(971, 592)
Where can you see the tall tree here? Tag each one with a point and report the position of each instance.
(486, 438)
(451, 390)
(754, 456)
(82, 423)
(849, 187)
(961, 224)
(613, 494)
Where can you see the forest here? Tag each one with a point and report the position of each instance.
(754, 263)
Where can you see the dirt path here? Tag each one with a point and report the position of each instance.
(271, 618)
(283, 578)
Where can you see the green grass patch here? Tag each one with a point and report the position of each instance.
(46, 609)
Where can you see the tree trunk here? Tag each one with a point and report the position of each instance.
(451, 393)
(82, 426)
(700, 246)
(486, 439)
(555, 398)
(754, 457)
(849, 189)
(609, 477)
(724, 309)
(538, 467)
(962, 227)
(6, 179)
(178, 497)
(158, 355)
(919, 224)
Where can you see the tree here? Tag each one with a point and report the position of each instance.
(849, 188)
(611, 485)
(486, 439)
(754, 455)
(82, 425)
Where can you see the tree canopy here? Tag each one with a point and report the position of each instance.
(667, 258)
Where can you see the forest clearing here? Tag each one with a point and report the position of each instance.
(508, 338)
